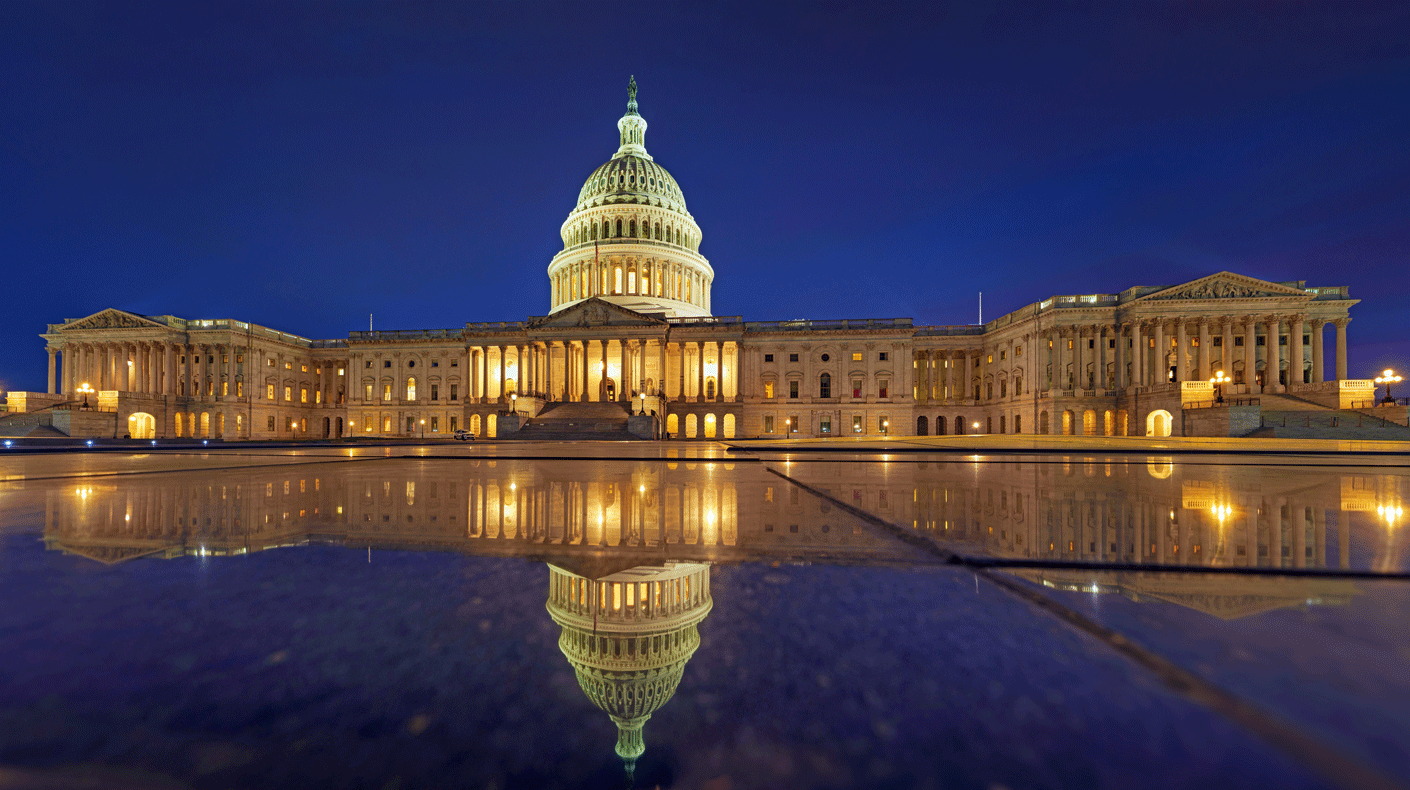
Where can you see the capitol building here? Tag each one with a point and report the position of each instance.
(632, 345)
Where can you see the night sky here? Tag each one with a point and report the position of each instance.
(303, 164)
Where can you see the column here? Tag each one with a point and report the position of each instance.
(1099, 333)
(1250, 352)
(661, 374)
(1317, 326)
(1274, 352)
(1160, 368)
(1079, 359)
(1138, 354)
(602, 368)
(1226, 355)
(502, 355)
(584, 394)
(53, 353)
(949, 392)
(1295, 326)
(1341, 348)
(680, 393)
(700, 372)
(720, 373)
(1119, 359)
(1202, 373)
(1182, 343)
(169, 369)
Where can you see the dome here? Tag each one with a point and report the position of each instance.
(631, 179)
(630, 240)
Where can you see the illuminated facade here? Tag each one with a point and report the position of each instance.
(631, 323)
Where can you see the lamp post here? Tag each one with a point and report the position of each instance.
(642, 413)
(1219, 381)
(1388, 378)
(514, 403)
(85, 389)
(885, 424)
(423, 427)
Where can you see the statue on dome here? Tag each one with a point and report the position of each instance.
(631, 90)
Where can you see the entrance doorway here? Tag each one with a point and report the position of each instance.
(142, 426)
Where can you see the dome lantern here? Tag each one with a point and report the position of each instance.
(632, 128)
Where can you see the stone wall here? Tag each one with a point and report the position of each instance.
(1222, 421)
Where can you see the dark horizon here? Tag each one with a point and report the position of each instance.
(302, 166)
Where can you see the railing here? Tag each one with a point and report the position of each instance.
(705, 320)
(496, 326)
(616, 242)
(952, 329)
(1214, 404)
(406, 334)
(804, 324)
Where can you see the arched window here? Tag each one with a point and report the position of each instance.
(617, 283)
(594, 232)
(658, 231)
(606, 229)
(631, 282)
(631, 228)
(825, 385)
(411, 388)
(619, 227)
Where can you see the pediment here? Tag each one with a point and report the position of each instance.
(595, 312)
(1224, 285)
(112, 318)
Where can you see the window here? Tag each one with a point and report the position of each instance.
(1018, 350)
(410, 424)
(288, 423)
(305, 368)
(856, 423)
(288, 392)
(288, 366)
(435, 363)
(1003, 390)
(435, 392)
(411, 363)
(455, 363)
(883, 356)
(1238, 341)
(454, 424)
(769, 389)
(1261, 340)
(825, 425)
(303, 394)
(386, 363)
(239, 358)
(792, 357)
(269, 391)
(793, 424)
(454, 391)
(267, 362)
(856, 356)
(825, 357)
(224, 388)
(856, 388)
(239, 389)
(1003, 355)
(825, 386)
(435, 424)
(386, 425)
(1282, 340)
(1070, 345)
(768, 423)
(270, 424)
(768, 357)
(881, 387)
(367, 392)
(386, 392)
(411, 389)
(793, 389)
(369, 364)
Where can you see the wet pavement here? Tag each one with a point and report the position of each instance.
(588, 615)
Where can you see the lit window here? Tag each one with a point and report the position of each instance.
(239, 389)
(303, 394)
(856, 356)
(856, 423)
(825, 424)
(288, 366)
(269, 393)
(856, 388)
(793, 424)
(340, 371)
(367, 392)
(768, 389)
(386, 392)
(435, 424)
(288, 392)
(305, 368)
(411, 389)
(768, 423)
(881, 387)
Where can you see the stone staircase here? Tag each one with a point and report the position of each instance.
(1291, 417)
(559, 422)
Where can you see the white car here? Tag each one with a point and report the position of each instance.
(464, 435)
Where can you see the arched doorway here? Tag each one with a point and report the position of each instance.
(673, 426)
(142, 426)
(729, 426)
(340, 426)
(1066, 422)
(690, 426)
(959, 426)
(327, 427)
(939, 426)
(1109, 422)
(1122, 423)
(490, 426)
(1043, 426)
(1158, 423)
(709, 426)
(609, 390)
(1089, 422)
(475, 424)
(205, 424)
(922, 426)
(710, 388)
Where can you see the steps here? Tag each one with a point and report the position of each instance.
(559, 422)
(1290, 417)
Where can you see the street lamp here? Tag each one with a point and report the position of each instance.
(1219, 381)
(643, 405)
(423, 427)
(85, 389)
(884, 425)
(514, 403)
(1388, 378)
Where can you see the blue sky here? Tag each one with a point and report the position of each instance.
(302, 165)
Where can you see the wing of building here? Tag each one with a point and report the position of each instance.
(631, 346)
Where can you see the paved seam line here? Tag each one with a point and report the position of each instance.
(1339, 769)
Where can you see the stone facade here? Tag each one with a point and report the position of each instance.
(630, 321)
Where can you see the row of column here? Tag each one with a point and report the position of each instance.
(1081, 357)
(144, 367)
(586, 361)
(644, 278)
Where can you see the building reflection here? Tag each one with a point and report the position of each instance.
(629, 549)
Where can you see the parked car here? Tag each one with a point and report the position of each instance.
(464, 435)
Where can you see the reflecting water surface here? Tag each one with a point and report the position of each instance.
(674, 623)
